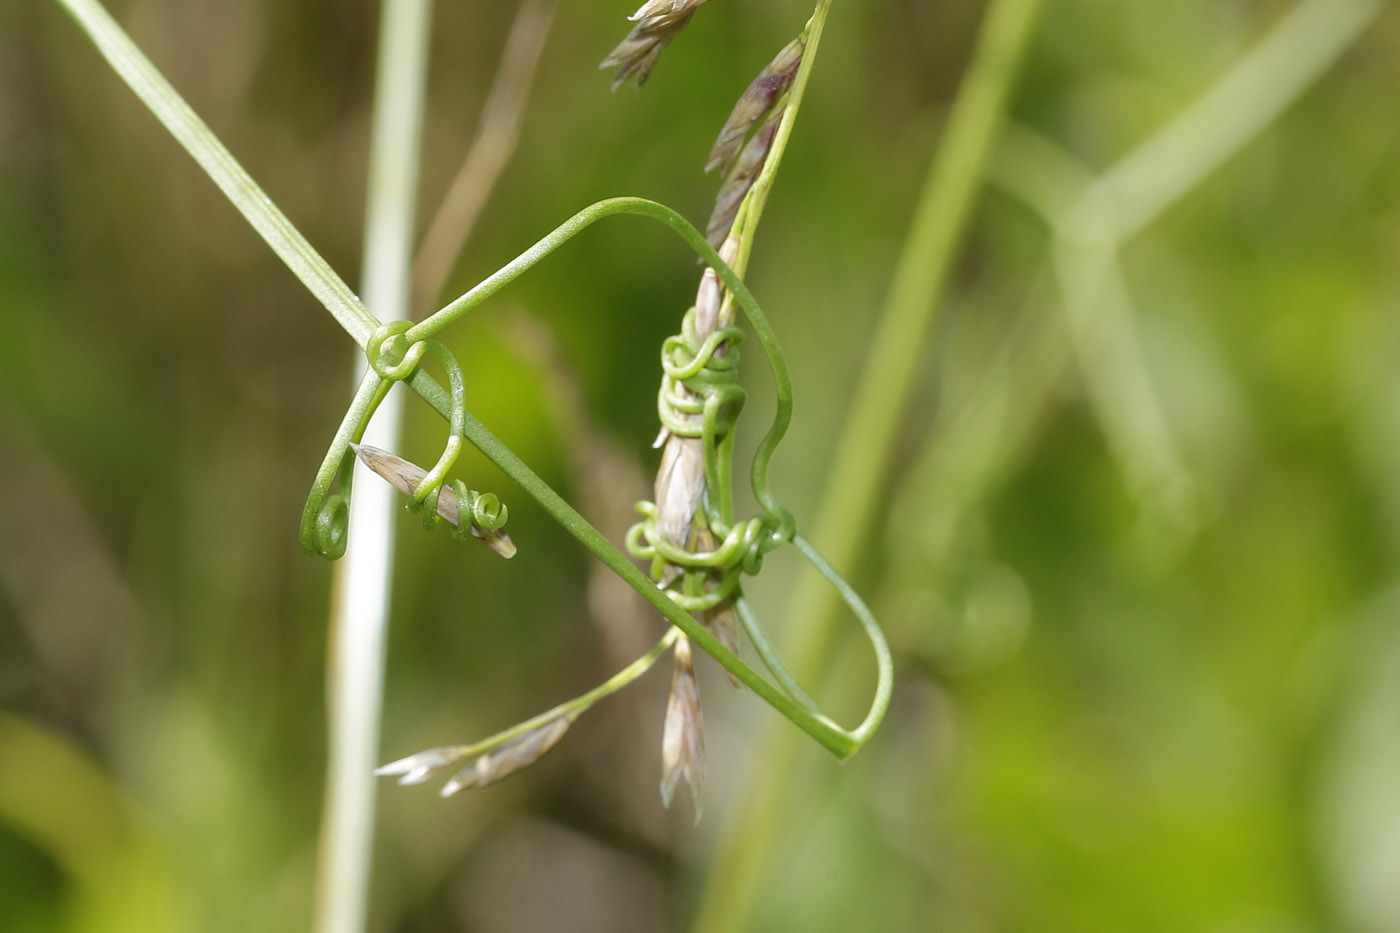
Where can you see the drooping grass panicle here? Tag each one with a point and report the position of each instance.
(658, 22)
(506, 752)
(509, 758)
(487, 765)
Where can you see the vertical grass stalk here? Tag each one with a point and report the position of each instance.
(865, 445)
(360, 602)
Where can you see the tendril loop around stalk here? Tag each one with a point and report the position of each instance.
(488, 512)
(700, 398)
(322, 528)
(394, 357)
(390, 353)
(689, 365)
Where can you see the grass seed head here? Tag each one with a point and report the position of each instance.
(508, 758)
(405, 475)
(658, 22)
(417, 768)
(739, 180)
(756, 103)
(486, 768)
(682, 741)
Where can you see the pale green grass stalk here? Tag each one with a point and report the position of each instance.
(863, 451)
(757, 198)
(360, 603)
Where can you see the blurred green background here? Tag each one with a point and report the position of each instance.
(1137, 556)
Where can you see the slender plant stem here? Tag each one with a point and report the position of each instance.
(757, 198)
(237, 185)
(360, 603)
(864, 448)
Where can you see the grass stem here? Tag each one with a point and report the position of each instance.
(863, 451)
(360, 603)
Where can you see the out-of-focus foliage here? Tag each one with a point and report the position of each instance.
(1127, 700)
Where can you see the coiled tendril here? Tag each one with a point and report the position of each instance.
(393, 357)
(333, 526)
(700, 397)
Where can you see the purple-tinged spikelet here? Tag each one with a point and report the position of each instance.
(658, 22)
(739, 180)
(756, 103)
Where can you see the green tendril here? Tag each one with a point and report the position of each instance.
(699, 397)
(332, 524)
(393, 357)
(488, 512)
(325, 520)
(395, 350)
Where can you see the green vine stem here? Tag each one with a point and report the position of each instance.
(360, 325)
(839, 741)
(660, 213)
(219, 164)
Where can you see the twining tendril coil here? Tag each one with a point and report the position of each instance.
(693, 582)
(332, 527)
(325, 520)
(696, 380)
(700, 397)
(488, 512)
(393, 357)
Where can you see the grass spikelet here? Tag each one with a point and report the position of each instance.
(658, 22)
(739, 180)
(682, 741)
(405, 475)
(756, 103)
